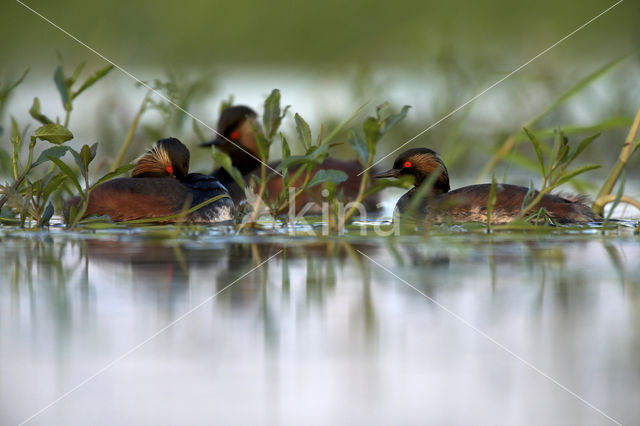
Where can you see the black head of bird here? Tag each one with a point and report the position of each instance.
(235, 134)
(169, 157)
(420, 163)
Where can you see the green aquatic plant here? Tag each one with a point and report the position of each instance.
(365, 144)
(630, 146)
(65, 85)
(180, 93)
(555, 171)
(82, 159)
(292, 168)
(519, 136)
(28, 196)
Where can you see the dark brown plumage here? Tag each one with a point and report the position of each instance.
(469, 204)
(161, 186)
(238, 141)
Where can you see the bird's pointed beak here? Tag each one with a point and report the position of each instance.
(217, 142)
(387, 174)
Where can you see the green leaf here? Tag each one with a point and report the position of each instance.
(120, 170)
(304, 131)
(392, 120)
(37, 114)
(63, 89)
(372, 134)
(16, 141)
(314, 155)
(360, 145)
(5, 161)
(522, 161)
(67, 171)
(76, 73)
(54, 133)
(53, 184)
(93, 79)
(16, 138)
(47, 214)
(226, 103)
(84, 157)
(263, 144)
(341, 126)
(78, 159)
(609, 124)
(528, 197)
(584, 144)
(574, 172)
(537, 146)
(223, 159)
(54, 151)
(286, 153)
(88, 153)
(327, 175)
(405, 182)
(271, 116)
(4, 93)
(576, 88)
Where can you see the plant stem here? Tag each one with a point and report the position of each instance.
(130, 134)
(263, 185)
(625, 154)
(502, 152)
(623, 199)
(363, 187)
(299, 191)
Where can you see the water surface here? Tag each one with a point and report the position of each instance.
(460, 328)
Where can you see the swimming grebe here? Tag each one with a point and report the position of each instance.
(235, 125)
(469, 204)
(160, 185)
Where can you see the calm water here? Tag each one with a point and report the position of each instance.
(192, 331)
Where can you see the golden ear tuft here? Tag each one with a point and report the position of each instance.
(153, 163)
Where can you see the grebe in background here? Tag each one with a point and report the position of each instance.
(234, 125)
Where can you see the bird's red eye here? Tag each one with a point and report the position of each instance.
(407, 164)
(235, 135)
(169, 169)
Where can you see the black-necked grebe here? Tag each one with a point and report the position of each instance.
(235, 125)
(160, 185)
(469, 204)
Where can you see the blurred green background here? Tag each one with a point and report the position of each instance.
(329, 33)
(330, 57)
